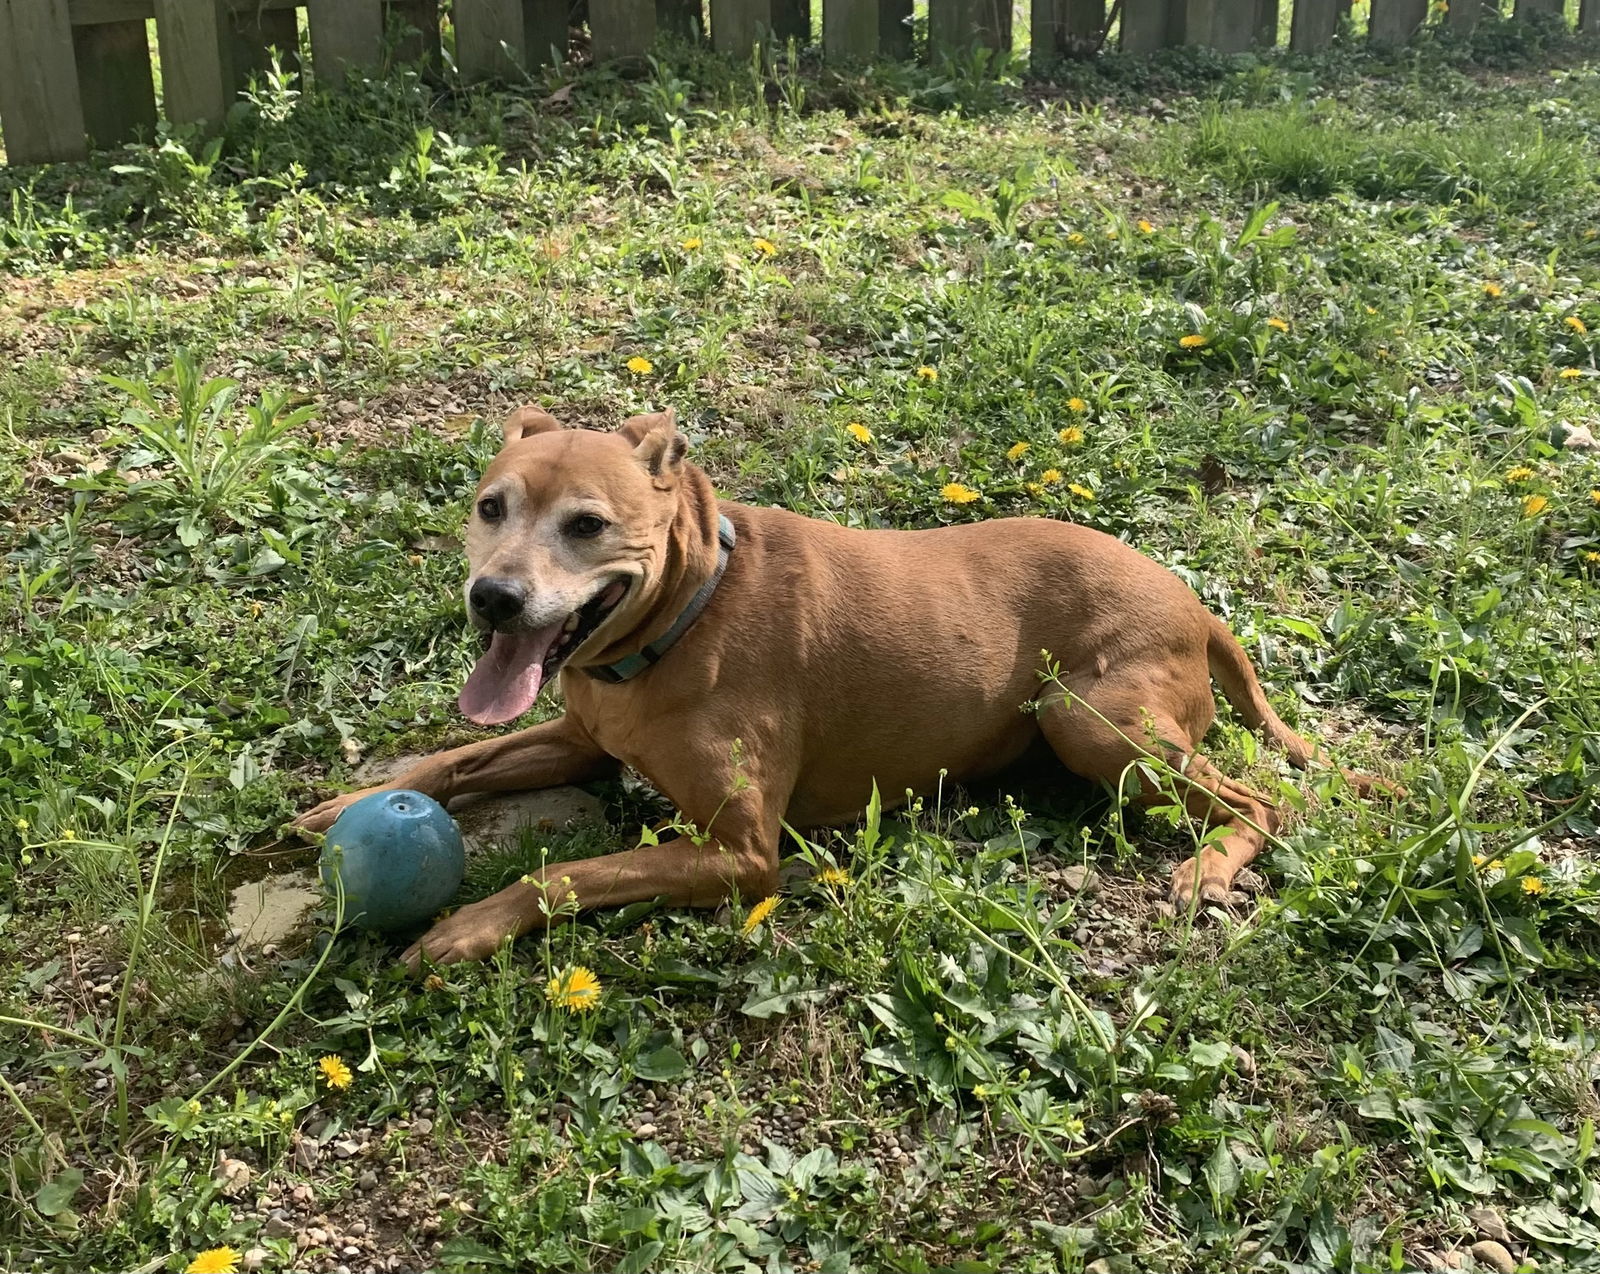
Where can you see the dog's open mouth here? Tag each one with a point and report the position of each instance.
(514, 665)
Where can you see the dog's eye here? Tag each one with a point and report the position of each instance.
(585, 526)
(489, 508)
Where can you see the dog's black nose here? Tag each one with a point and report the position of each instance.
(497, 600)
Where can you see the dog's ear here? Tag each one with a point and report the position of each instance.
(657, 444)
(526, 421)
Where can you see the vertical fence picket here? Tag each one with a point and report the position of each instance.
(1396, 21)
(544, 31)
(254, 32)
(738, 25)
(957, 26)
(489, 38)
(856, 30)
(420, 20)
(195, 75)
(39, 103)
(1144, 25)
(345, 35)
(683, 18)
(621, 29)
(1064, 28)
(1313, 24)
(791, 20)
(1266, 36)
(117, 89)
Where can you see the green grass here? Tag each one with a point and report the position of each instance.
(218, 594)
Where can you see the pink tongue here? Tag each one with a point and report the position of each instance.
(505, 681)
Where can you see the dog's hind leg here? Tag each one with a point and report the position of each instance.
(1110, 728)
(559, 751)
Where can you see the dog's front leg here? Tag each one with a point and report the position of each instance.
(559, 751)
(741, 858)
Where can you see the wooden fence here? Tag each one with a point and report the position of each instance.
(76, 74)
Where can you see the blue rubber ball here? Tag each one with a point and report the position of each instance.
(400, 857)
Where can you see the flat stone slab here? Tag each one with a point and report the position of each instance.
(502, 817)
(494, 818)
(267, 911)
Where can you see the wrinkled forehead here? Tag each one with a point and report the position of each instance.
(571, 464)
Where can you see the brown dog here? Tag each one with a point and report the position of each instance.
(822, 660)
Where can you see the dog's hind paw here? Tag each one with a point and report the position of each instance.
(1200, 877)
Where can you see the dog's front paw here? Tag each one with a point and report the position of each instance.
(321, 817)
(471, 933)
(1205, 874)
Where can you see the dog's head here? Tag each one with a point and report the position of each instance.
(566, 541)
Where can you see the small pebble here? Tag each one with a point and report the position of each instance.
(1494, 1255)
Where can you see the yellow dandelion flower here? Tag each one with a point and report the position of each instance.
(1570, 373)
(1077, 406)
(1592, 558)
(214, 1260)
(757, 914)
(1493, 290)
(1532, 885)
(1577, 325)
(1145, 227)
(1071, 435)
(1035, 490)
(334, 1071)
(1050, 477)
(858, 431)
(1478, 860)
(1111, 234)
(929, 374)
(641, 366)
(1594, 495)
(1495, 864)
(1534, 505)
(574, 989)
(959, 493)
(1281, 324)
(68, 834)
(1194, 341)
(1520, 473)
(834, 876)
(690, 244)
(766, 247)
(1016, 451)
(1075, 238)
(1082, 492)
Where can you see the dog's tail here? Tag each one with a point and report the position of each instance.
(1231, 668)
